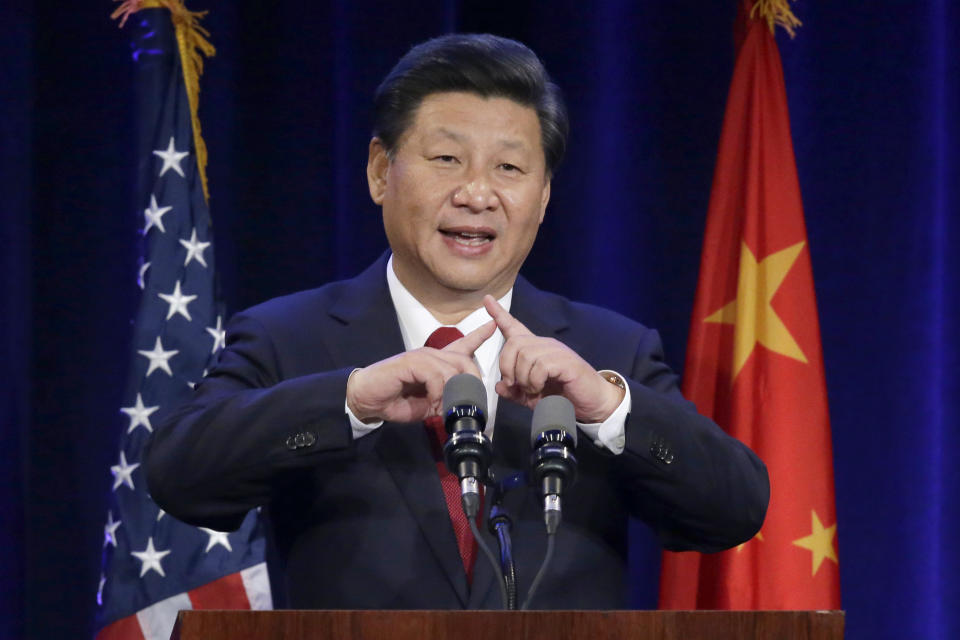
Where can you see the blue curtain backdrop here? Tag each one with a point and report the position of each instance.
(286, 113)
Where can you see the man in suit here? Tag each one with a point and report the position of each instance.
(316, 409)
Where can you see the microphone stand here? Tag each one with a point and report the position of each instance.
(504, 599)
(499, 525)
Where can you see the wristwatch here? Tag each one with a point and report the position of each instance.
(613, 378)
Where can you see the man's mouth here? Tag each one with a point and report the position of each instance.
(469, 237)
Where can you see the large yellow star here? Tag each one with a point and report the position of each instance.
(753, 318)
(820, 542)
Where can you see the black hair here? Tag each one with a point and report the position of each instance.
(482, 64)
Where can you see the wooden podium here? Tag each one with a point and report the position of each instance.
(508, 625)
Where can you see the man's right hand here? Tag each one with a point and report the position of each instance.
(409, 386)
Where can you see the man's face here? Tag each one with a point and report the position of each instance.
(463, 195)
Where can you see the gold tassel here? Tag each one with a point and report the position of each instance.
(776, 12)
(192, 42)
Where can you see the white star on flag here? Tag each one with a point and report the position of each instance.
(150, 558)
(216, 537)
(153, 214)
(219, 336)
(141, 282)
(193, 385)
(123, 472)
(160, 514)
(159, 359)
(178, 302)
(110, 530)
(195, 249)
(171, 158)
(139, 415)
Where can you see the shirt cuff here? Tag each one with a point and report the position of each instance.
(359, 427)
(611, 433)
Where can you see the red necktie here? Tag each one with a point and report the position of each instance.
(437, 435)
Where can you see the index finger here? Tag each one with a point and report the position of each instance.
(509, 325)
(472, 341)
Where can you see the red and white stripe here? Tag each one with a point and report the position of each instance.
(248, 589)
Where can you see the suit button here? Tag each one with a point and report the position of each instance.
(660, 449)
(301, 440)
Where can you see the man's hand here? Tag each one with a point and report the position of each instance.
(409, 387)
(532, 367)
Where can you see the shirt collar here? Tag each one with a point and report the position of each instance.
(417, 323)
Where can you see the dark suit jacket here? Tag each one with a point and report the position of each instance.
(364, 524)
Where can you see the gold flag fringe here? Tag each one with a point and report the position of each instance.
(193, 45)
(776, 12)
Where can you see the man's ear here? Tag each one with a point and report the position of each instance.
(377, 164)
(544, 199)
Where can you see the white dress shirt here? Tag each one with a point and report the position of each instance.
(416, 325)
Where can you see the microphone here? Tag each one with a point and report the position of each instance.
(553, 466)
(467, 451)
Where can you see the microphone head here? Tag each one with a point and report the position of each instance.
(464, 389)
(553, 413)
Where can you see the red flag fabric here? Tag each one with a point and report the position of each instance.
(754, 361)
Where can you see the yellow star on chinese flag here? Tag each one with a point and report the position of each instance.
(753, 318)
(820, 542)
(759, 537)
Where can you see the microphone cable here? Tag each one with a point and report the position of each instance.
(497, 573)
(547, 557)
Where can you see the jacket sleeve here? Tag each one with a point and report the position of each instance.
(697, 487)
(217, 456)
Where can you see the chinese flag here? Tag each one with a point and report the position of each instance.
(754, 361)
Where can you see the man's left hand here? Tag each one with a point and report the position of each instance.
(533, 367)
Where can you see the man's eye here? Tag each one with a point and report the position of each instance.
(445, 159)
(506, 166)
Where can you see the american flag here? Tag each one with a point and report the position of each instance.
(154, 565)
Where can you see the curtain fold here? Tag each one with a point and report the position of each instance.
(16, 97)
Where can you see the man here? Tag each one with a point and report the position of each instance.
(317, 407)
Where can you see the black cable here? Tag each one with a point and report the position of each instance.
(499, 524)
(502, 529)
(493, 562)
(543, 567)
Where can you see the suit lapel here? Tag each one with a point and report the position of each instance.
(371, 333)
(543, 314)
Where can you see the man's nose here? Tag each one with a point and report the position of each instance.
(477, 195)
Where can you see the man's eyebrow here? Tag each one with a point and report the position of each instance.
(513, 144)
(453, 135)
